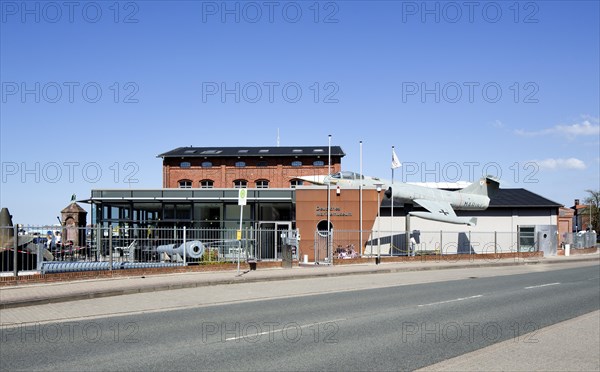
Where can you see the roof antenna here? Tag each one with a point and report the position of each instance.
(277, 137)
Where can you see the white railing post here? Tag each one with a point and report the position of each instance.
(110, 247)
(495, 242)
(184, 247)
(15, 252)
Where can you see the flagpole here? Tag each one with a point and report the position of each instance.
(395, 164)
(392, 209)
(329, 203)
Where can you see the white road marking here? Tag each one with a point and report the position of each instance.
(455, 300)
(272, 331)
(541, 285)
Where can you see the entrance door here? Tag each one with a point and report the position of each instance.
(547, 239)
(269, 239)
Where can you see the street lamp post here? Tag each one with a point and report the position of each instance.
(360, 204)
(329, 250)
(378, 260)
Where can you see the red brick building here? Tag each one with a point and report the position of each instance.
(251, 167)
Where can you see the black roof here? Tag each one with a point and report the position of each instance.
(252, 151)
(512, 198)
(520, 198)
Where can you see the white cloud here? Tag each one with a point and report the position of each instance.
(498, 124)
(561, 164)
(591, 118)
(586, 128)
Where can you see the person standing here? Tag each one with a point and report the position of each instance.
(51, 242)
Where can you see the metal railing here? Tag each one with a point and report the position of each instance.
(580, 240)
(42, 248)
(346, 244)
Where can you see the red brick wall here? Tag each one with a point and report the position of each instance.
(449, 258)
(311, 207)
(561, 252)
(278, 171)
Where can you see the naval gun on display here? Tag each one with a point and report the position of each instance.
(192, 249)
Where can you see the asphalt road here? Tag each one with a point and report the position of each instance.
(392, 328)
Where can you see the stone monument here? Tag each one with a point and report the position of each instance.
(73, 219)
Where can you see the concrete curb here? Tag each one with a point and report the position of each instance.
(240, 279)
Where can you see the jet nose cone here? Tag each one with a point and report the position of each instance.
(317, 180)
(388, 193)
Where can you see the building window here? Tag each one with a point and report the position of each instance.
(296, 183)
(185, 164)
(206, 164)
(240, 184)
(206, 184)
(322, 228)
(185, 184)
(296, 163)
(261, 164)
(318, 163)
(526, 239)
(262, 184)
(240, 164)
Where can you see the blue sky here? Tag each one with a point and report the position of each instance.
(93, 91)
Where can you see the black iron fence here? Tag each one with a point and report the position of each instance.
(43, 249)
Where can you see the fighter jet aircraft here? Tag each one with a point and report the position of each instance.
(440, 204)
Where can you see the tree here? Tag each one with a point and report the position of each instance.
(593, 208)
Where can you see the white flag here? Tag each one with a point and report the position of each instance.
(395, 162)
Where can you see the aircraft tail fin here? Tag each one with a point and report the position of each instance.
(485, 186)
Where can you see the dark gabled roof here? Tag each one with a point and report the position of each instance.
(512, 198)
(520, 198)
(73, 208)
(247, 151)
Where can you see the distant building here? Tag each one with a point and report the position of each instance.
(565, 224)
(581, 217)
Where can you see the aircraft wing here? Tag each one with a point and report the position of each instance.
(437, 208)
(441, 211)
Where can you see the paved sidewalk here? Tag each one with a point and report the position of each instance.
(37, 294)
(572, 345)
